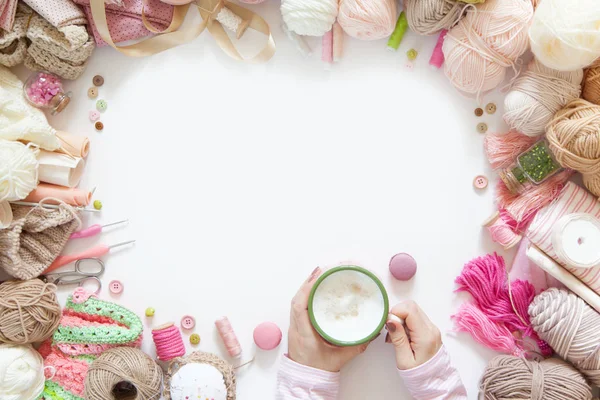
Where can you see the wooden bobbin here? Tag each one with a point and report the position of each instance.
(228, 18)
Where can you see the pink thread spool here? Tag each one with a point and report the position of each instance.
(437, 57)
(327, 47)
(228, 336)
(168, 341)
(504, 229)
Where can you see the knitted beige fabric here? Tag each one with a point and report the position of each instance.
(19, 120)
(63, 52)
(13, 45)
(35, 238)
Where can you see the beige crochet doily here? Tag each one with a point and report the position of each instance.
(203, 358)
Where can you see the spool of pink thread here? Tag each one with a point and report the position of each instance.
(327, 47)
(168, 341)
(437, 57)
(228, 336)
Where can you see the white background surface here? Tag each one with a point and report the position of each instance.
(240, 179)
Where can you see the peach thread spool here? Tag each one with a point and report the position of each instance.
(229, 338)
(168, 341)
(327, 47)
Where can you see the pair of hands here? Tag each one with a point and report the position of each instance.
(306, 346)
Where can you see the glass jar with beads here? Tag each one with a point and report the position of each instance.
(45, 91)
(532, 167)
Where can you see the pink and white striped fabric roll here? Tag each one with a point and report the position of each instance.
(573, 199)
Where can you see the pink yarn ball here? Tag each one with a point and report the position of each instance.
(368, 19)
(487, 41)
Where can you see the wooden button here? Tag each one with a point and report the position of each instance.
(482, 127)
(490, 108)
(98, 80)
(478, 112)
(99, 126)
(93, 92)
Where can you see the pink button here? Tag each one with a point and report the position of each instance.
(480, 182)
(267, 336)
(94, 115)
(115, 287)
(188, 322)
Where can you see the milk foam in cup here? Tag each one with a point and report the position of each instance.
(348, 305)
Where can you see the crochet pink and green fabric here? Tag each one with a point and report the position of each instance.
(88, 327)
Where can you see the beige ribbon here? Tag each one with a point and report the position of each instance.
(174, 36)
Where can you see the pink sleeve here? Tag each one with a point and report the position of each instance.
(296, 381)
(437, 379)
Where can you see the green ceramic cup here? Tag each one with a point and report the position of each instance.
(376, 329)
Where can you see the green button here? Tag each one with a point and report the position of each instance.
(101, 105)
(195, 338)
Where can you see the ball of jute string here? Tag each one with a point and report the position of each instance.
(571, 328)
(123, 373)
(591, 83)
(221, 365)
(537, 95)
(29, 311)
(368, 19)
(574, 136)
(485, 42)
(510, 377)
(427, 17)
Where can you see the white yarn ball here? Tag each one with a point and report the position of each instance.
(309, 17)
(21, 372)
(565, 34)
(198, 380)
(537, 95)
(18, 170)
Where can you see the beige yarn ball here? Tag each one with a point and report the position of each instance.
(487, 41)
(591, 84)
(368, 19)
(427, 17)
(571, 328)
(574, 136)
(29, 311)
(309, 17)
(123, 373)
(537, 95)
(510, 377)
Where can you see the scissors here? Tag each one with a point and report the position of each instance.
(80, 274)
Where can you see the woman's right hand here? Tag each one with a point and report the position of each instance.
(423, 340)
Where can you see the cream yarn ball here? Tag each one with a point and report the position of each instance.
(487, 41)
(18, 170)
(565, 35)
(21, 372)
(537, 95)
(309, 17)
(368, 19)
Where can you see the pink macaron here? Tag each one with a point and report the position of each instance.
(267, 336)
(403, 267)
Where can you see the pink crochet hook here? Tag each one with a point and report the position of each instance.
(94, 252)
(94, 230)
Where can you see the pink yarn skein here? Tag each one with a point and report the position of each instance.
(487, 41)
(368, 19)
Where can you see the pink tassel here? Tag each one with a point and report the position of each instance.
(525, 206)
(503, 149)
(497, 337)
(486, 280)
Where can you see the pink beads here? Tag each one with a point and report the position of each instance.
(45, 90)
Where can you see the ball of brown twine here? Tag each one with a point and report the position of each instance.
(510, 377)
(29, 311)
(591, 84)
(123, 373)
(574, 136)
(571, 328)
(427, 17)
